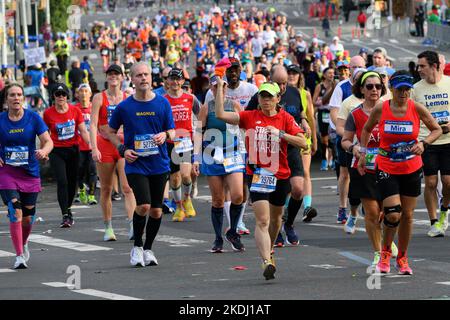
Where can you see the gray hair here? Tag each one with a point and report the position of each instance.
(137, 65)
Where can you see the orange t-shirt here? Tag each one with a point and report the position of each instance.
(136, 49)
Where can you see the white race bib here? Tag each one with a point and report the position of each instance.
(16, 156)
(182, 145)
(144, 145)
(234, 163)
(325, 117)
(263, 181)
(441, 117)
(65, 130)
(398, 127)
(110, 110)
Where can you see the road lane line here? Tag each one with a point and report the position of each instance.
(322, 179)
(91, 292)
(7, 270)
(341, 227)
(4, 254)
(356, 258)
(77, 246)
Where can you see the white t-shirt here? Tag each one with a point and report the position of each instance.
(269, 37)
(335, 48)
(436, 98)
(257, 47)
(241, 94)
(337, 99)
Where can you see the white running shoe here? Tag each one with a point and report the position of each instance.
(436, 230)
(109, 235)
(20, 263)
(26, 252)
(149, 258)
(137, 257)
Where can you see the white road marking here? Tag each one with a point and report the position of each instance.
(444, 283)
(173, 241)
(356, 258)
(284, 13)
(296, 14)
(393, 41)
(54, 242)
(7, 270)
(203, 198)
(4, 254)
(341, 226)
(322, 179)
(91, 292)
(326, 266)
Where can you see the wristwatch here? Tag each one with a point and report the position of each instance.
(362, 150)
(167, 135)
(121, 148)
(281, 134)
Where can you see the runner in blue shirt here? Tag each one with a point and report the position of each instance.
(147, 123)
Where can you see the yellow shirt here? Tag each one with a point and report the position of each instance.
(352, 102)
(436, 98)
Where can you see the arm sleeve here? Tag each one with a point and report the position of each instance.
(350, 124)
(336, 98)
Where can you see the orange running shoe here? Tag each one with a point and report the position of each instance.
(384, 266)
(403, 266)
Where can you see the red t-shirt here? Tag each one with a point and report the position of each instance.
(182, 109)
(397, 136)
(263, 151)
(64, 126)
(87, 121)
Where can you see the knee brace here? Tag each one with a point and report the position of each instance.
(29, 213)
(389, 210)
(12, 207)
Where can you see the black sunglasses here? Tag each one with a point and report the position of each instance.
(60, 94)
(370, 86)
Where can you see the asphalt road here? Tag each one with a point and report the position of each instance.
(328, 264)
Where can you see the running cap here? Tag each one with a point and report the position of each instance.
(401, 81)
(294, 68)
(176, 73)
(114, 68)
(61, 87)
(270, 87)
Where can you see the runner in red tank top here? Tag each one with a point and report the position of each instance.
(363, 184)
(106, 155)
(184, 106)
(398, 169)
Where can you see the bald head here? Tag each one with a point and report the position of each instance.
(357, 62)
(279, 75)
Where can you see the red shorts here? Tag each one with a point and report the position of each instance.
(108, 151)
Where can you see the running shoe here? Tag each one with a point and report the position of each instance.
(83, 196)
(194, 191)
(376, 258)
(173, 205)
(149, 258)
(242, 229)
(394, 250)
(77, 198)
(109, 235)
(130, 230)
(309, 214)
(218, 246)
(350, 225)
(279, 242)
(235, 241)
(269, 270)
(324, 165)
(137, 257)
(26, 252)
(332, 165)
(342, 216)
(179, 215)
(436, 230)
(20, 263)
(66, 222)
(291, 236)
(167, 208)
(403, 266)
(443, 220)
(384, 265)
(116, 196)
(189, 208)
(91, 200)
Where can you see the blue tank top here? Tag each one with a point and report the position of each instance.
(229, 136)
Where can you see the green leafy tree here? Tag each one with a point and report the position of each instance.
(58, 15)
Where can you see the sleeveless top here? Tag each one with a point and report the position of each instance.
(397, 136)
(229, 132)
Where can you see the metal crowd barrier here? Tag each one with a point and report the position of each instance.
(439, 34)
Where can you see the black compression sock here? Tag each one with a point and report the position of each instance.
(138, 227)
(152, 230)
(293, 208)
(217, 221)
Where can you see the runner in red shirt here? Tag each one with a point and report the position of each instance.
(106, 155)
(269, 130)
(86, 169)
(64, 122)
(398, 164)
(184, 106)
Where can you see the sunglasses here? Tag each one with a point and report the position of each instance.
(60, 94)
(370, 86)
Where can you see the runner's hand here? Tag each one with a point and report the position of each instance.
(362, 164)
(273, 131)
(41, 155)
(418, 148)
(1, 163)
(131, 156)
(159, 138)
(196, 168)
(96, 155)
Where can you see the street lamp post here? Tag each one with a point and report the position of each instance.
(4, 36)
(23, 15)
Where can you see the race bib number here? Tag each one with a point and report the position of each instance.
(110, 110)
(234, 163)
(263, 181)
(398, 127)
(371, 156)
(16, 156)
(65, 130)
(155, 70)
(87, 121)
(144, 145)
(325, 117)
(441, 117)
(182, 145)
(402, 151)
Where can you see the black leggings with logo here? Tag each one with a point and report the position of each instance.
(64, 163)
